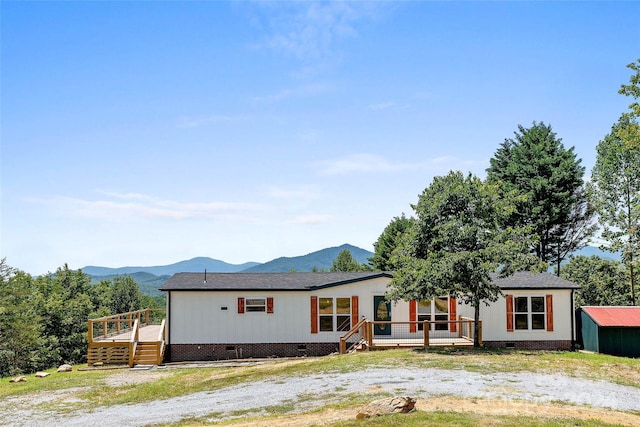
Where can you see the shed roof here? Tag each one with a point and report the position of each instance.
(264, 281)
(622, 317)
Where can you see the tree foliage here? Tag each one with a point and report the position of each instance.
(388, 241)
(43, 320)
(535, 165)
(616, 196)
(630, 134)
(457, 242)
(346, 262)
(603, 282)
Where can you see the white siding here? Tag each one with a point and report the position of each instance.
(197, 317)
(494, 317)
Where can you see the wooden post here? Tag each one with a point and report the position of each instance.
(104, 328)
(343, 346)
(480, 333)
(146, 316)
(460, 324)
(90, 331)
(370, 333)
(425, 331)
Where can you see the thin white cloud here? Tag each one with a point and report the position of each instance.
(310, 30)
(296, 192)
(140, 206)
(312, 219)
(370, 163)
(390, 105)
(192, 122)
(296, 92)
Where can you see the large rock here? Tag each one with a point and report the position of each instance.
(65, 368)
(42, 374)
(20, 379)
(388, 405)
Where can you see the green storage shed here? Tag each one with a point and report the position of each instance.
(611, 330)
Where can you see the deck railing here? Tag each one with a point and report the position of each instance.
(387, 334)
(122, 324)
(116, 339)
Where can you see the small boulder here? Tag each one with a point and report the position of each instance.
(42, 374)
(20, 379)
(388, 405)
(65, 368)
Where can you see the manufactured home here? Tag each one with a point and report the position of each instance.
(241, 315)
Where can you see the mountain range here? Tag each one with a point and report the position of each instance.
(150, 279)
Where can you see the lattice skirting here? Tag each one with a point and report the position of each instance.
(195, 352)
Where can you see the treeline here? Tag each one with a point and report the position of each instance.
(43, 319)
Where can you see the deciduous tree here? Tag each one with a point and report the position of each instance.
(616, 196)
(388, 242)
(457, 242)
(602, 282)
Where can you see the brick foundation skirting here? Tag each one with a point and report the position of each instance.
(202, 352)
(564, 345)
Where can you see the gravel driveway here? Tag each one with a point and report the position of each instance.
(318, 390)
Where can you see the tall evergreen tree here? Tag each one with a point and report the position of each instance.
(346, 262)
(535, 165)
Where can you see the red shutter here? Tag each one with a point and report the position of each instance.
(550, 313)
(509, 313)
(354, 310)
(314, 315)
(413, 315)
(453, 327)
(269, 305)
(240, 305)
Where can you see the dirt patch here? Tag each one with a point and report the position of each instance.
(134, 377)
(490, 407)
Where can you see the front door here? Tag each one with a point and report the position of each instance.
(381, 312)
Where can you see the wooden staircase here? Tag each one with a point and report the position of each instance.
(126, 339)
(148, 353)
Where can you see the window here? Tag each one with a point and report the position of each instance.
(334, 314)
(434, 310)
(255, 304)
(529, 313)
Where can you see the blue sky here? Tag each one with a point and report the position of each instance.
(145, 133)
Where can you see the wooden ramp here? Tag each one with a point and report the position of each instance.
(127, 339)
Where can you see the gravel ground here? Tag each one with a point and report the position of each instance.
(310, 392)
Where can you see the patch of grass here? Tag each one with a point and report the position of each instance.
(442, 418)
(94, 391)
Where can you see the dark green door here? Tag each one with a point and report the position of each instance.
(381, 312)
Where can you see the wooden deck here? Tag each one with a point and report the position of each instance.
(411, 342)
(133, 338)
(145, 333)
(409, 334)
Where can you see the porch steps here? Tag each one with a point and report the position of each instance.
(147, 353)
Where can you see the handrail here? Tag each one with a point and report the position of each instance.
(352, 332)
(119, 323)
(133, 342)
(161, 333)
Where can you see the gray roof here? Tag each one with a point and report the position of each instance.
(311, 281)
(527, 280)
(264, 281)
